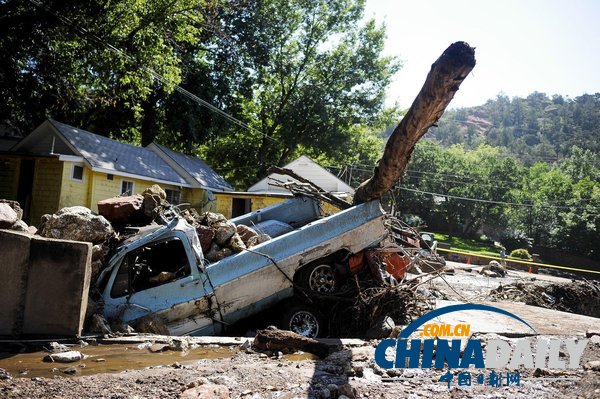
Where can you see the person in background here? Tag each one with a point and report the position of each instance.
(503, 255)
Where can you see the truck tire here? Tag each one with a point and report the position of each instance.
(319, 278)
(304, 320)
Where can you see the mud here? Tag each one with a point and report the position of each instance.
(580, 297)
(106, 359)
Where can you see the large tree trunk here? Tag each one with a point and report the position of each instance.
(446, 75)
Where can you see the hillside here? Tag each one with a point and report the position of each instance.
(535, 128)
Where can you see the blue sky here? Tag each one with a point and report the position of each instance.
(550, 46)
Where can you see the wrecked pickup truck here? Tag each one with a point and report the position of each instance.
(201, 298)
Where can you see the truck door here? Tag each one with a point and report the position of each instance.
(161, 281)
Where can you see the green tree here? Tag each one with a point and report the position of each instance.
(60, 59)
(316, 79)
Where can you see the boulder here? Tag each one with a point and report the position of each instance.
(245, 233)
(15, 206)
(64, 357)
(217, 253)
(223, 232)
(98, 325)
(8, 217)
(123, 210)
(259, 239)
(20, 226)
(211, 218)
(236, 244)
(154, 197)
(77, 223)
(206, 236)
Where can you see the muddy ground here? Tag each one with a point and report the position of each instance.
(231, 369)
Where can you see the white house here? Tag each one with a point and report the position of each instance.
(308, 169)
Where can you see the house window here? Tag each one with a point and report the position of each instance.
(173, 196)
(109, 176)
(127, 187)
(77, 172)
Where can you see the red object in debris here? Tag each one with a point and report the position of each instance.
(396, 264)
(469, 260)
(356, 262)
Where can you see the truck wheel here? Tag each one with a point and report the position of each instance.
(303, 320)
(321, 279)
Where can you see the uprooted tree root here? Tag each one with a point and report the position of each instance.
(401, 303)
(580, 297)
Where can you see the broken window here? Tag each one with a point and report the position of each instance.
(150, 266)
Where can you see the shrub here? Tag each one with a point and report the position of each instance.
(521, 254)
(514, 239)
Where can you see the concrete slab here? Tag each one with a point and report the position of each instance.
(57, 287)
(544, 321)
(14, 265)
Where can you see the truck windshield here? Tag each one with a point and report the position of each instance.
(150, 266)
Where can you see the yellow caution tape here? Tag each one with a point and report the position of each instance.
(518, 261)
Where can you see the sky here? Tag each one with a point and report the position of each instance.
(521, 46)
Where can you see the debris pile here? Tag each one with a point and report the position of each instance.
(580, 297)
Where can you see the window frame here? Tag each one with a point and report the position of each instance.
(178, 192)
(79, 165)
(123, 181)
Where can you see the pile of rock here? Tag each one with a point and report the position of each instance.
(221, 238)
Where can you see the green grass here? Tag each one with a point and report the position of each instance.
(465, 244)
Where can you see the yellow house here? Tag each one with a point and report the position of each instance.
(58, 165)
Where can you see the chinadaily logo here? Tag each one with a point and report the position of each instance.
(493, 362)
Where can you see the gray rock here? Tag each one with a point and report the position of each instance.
(154, 197)
(98, 325)
(55, 347)
(77, 223)
(381, 328)
(64, 357)
(15, 207)
(20, 226)
(593, 365)
(236, 244)
(223, 232)
(256, 240)
(8, 216)
(211, 218)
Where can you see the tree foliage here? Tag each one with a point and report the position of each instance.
(292, 76)
(535, 128)
(555, 205)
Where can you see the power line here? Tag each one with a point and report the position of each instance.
(486, 201)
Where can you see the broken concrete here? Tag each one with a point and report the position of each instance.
(45, 285)
(61, 271)
(14, 267)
